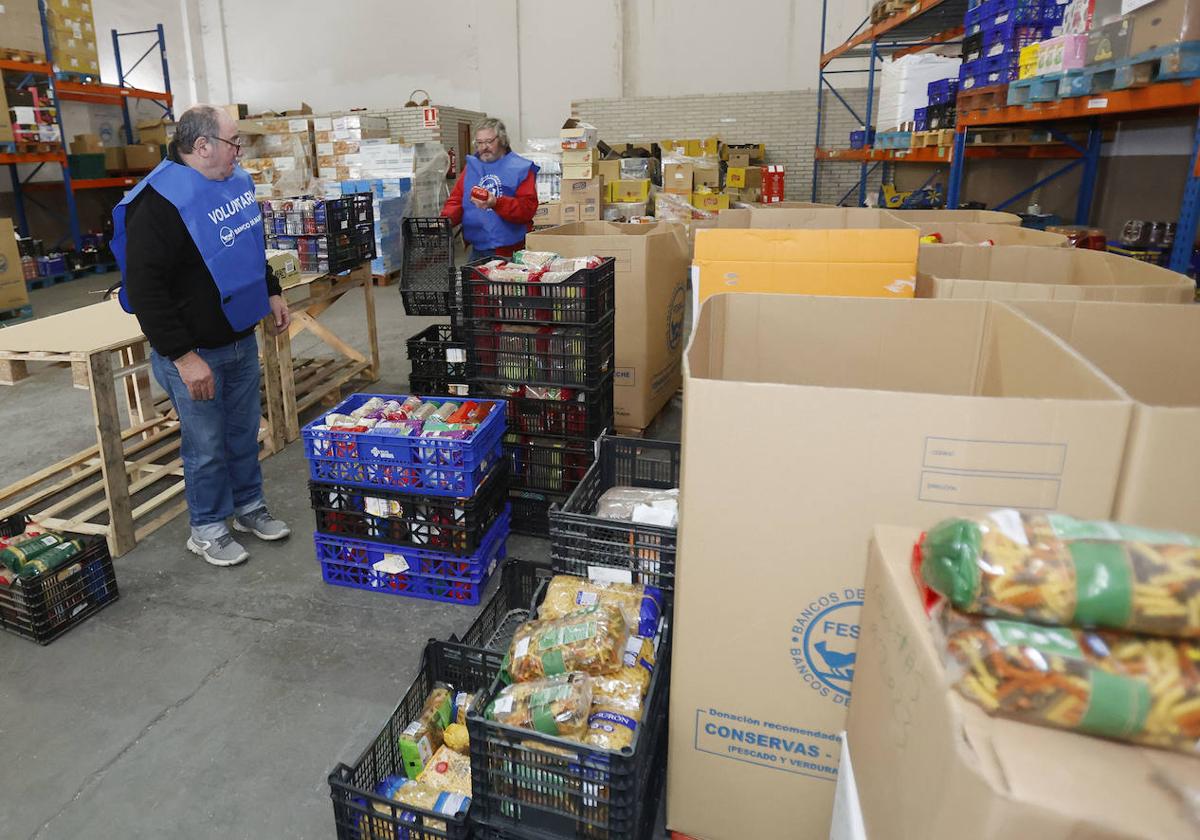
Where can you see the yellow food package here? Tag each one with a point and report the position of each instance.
(641, 605)
(615, 714)
(591, 640)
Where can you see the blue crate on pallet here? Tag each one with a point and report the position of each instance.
(1010, 37)
(1001, 69)
(921, 119)
(942, 91)
(973, 22)
(862, 139)
(394, 570)
(433, 466)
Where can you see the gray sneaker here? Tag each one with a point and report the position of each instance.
(261, 524)
(223, 551)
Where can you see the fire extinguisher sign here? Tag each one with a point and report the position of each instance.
(430, 116)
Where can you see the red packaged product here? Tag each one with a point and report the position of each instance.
(480, 193)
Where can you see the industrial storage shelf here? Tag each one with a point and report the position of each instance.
(1151, 100)
(87, 183)
(41, 68)
(40, 157)
(102, 94)
(945, 154)
(931, 21)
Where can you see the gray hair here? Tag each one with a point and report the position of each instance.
(196, 122)
(497, 126)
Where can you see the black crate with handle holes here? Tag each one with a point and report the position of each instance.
(437, 523)
(580, 540)
(531, 511)
(507, 608)
(550, 465)
(586, 297)
(438, 387)
(359, 813)
(525, 354)
(556, 412)
(427, 275)
(47, 605)
(534, 785)
(438, 353)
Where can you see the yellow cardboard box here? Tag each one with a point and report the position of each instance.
(620, 192)
(712, 202)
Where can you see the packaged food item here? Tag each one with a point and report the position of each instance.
(480, 193)
(537, 259)
(424, 411)
(640, 504)
(448, 771)
(464, 411)
(478, 414)
(19, 552)
(419, 794)
(615, 714)
(557, 705)
(371, 405)
(456, 738)
(403, 428)
(444, 411)
(462, 702)
(409, 405)
(423, 736)
(1053, 569)
(51, 559)
(591, 640)
(1131, 688)
(641, 605)
(637, 663)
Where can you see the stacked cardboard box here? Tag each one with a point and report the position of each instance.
(356, 146)
(72, 36)
(13, 294)
(278, 154)
(21, 26)
(580, 186)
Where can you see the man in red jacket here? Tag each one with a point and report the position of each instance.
(501, 198)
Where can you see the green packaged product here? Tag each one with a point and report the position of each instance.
(423, 736)
(21, 552)
(51, 559)
(553, 706)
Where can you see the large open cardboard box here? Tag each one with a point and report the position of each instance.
(990, 217)
(977, 233)
(651, 298)
(930, 765)
(875, 263)
(1023, 272)
(1151, 351)
(806, 420)
(811, 217)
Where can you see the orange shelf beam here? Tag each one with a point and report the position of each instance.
(884, 27)
(42, 157)
(87, 183)
(943, 154)
(1164, 96)
(25, 67)
(106, 94)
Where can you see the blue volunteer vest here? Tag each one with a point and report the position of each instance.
(225, 222)
(484, 229)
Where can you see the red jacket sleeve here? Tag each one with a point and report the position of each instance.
(454, 204)
(520, 208)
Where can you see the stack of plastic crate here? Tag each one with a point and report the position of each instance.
(406, 509)
(995, 33)
(547, 348)
(329, 234)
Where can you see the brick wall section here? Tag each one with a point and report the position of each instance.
(408, 123)
(784, 121)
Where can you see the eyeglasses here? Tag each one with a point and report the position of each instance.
(237, 144)
(491, 142)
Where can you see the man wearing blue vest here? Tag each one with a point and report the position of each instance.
(495, 197)
(189, 241)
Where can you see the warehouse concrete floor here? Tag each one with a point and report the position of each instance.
(206, 702)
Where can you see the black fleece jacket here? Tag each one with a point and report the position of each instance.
(170, 289)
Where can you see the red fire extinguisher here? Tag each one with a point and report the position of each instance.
(452, 172)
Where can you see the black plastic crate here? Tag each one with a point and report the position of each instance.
(349, 211)
(438, 387)
(435, 523)
(350, 247)
(438, 353)
(507, 608)
(532, 785)
(44, 607)
(586, 297)
(580, 540)
(352, 787)
(585, 415)
(518, 354)
(972, 47)
(427, 267)
(531, 511)
(550, 465)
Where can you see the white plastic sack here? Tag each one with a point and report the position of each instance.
(903, 86)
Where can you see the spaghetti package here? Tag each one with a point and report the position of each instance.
(1052, 569)
(557, 706)
(591, 640)
(1139, 689)
(641, 605)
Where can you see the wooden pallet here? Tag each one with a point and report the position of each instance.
(23, 56)
(389, 279)
(79, 78)
(885, 9)
(981, 99)
(1008, 137)
(1166, 64)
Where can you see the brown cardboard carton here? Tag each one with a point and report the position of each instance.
(812, 217)
(628, 191)
(156, 131)
(677, 178)
(608, 171)
(710, 201)
(573, 156)
(930, 765)
(744, 178)
(578, 171)
(1162, 23)
(840, 413)
(6, 132)
(547, 215)
(580, 191)
(143, 156)
(114, 158)
(21, 27)
(705, 173)
(651, 282)
(12, 277)
(1029, 273)
(991, 217)
(976, 233)
(87, 144)
(738, 158)
(1147, 350)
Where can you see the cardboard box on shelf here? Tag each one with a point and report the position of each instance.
(677, 178)
(991, 217)
(547, 215)
(143, 156)
(159, 132)
(575, 156)
(1029, 273)
(1163, 23)
(87, 144)
(22, 26)
(6, 126)
(1140, 346)
(931, 765)
(608, 171)
(1110, 42)
(114, 158)
(710, 202)
(577, 191)
(870, 263)
(1008, 416)
(628, 192)
(13, 294)
(351, 121)
(579, 171)
(651, 299)
(578, 135)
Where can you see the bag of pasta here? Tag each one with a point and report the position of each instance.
(557, 705)
(1052, 569)
(1140, 689)
(641, 605)
(637, 663)
(591, 640)
(615, 714)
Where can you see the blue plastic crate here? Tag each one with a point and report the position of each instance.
(862, 139)
(973, 22)
(433, 466)
(1010, 37)
(921, 119)
(1001, 69)
(942, 91)
(1028, 11)
(998, 12)
(349, 562)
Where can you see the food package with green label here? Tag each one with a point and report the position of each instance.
(592, 640)
(423, 736)
(1141, 689)
(1053, 569)
(641, 605)
(557, 705)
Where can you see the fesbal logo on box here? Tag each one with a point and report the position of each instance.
(824, 641)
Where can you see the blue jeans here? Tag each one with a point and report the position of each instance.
(221, 474)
